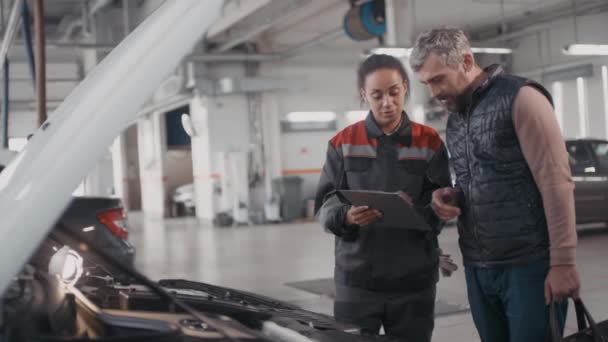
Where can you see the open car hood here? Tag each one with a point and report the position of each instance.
(37, 185)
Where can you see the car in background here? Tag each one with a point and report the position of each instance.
(101, 221)
(183, 200)
(589, 165)
(98, 220)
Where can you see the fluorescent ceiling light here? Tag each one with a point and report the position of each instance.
(355, 115)
(586, 49)
(392, 51)
(311, 116)
(492, 50)
(401, 52)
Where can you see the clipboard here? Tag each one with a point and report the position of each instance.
(396, 213)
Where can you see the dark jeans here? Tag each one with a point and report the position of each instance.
(508, 303)
(404, 316)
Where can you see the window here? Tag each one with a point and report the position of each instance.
(581, 160)
(177, 138)
(601, 152)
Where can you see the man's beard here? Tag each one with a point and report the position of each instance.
(459, 105)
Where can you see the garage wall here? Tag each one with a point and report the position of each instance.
(591, 29)
(317, 87)
(303, 155)
(540, 53)
(228, 114)
(22, 123)
(229, 126)
(313, 88)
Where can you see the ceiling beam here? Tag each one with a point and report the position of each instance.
(234, 12)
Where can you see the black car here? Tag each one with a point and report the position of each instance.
(100, 221)
(589, 165)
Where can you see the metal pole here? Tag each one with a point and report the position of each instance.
(5, 98)
(29, 44)
(126, 17)
(40, 61)
(11, 31)
(574, 14)
(390, 38)
(2, 22)
(9, 35)
(5, 105)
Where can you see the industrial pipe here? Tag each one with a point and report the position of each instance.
(40, 61)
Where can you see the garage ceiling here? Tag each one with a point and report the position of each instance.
(280, 25)
(483, 17)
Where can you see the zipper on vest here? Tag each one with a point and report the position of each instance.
(470, 186)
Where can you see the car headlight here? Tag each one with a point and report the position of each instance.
(66, 263)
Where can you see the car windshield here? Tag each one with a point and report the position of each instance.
(580, 159)
(600, 149)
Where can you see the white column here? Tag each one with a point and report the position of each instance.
(558, 102)
(605, 97)
(570, 108)
(595, 105)
(201, 159)
(583, 107)
(271, 121)
(152, 148)
(400, 22)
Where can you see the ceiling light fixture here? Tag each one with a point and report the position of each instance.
(401, 52)
(492, 50)
(353, 116)
(311, 116)
(586, 49)
(577, 49)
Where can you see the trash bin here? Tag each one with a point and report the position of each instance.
(289, 190)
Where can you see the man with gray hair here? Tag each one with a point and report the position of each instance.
(514, 196)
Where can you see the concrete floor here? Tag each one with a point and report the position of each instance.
(262, 259)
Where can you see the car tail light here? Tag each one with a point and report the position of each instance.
(116, 221)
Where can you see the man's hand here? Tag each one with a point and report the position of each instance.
(562, 282)
(362, 216)
(441, 204)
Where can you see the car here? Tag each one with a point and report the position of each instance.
(85, 306)
(48, 294)
(183, 200)
(589, 165)
(99, 220)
